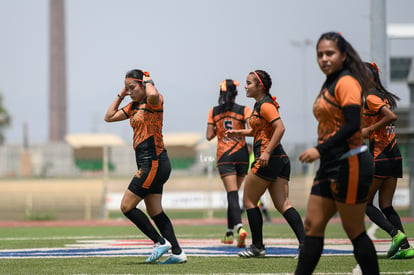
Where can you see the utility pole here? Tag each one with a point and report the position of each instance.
(57, 71)
(379, 41)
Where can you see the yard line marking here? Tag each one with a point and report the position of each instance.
(192, 247)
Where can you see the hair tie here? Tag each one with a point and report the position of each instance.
(257, 76)
(275, 102)
(147, 74)
(223, 85)
(375, 67)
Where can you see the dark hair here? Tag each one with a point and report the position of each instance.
(227, 97)
(137, 74)
(352, 62)
(392, 98)
(266, 80)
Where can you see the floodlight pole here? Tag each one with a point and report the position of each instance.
(379, 46)
(379, 42)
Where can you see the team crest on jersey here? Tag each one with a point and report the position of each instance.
(139, 173)
(334, 187)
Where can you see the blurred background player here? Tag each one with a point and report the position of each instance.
(271, 167)
(145, 113)
(379, 128)
(232, 155)
(346, 167)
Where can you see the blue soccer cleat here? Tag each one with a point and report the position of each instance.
(176, 259)
(159, 250)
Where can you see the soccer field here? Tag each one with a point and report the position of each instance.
(117, 247)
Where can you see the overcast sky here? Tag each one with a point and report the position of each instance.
(188, 46)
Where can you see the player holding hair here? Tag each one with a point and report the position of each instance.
(346, 167)
(232, 154)
(271, 167)
(145, 114)
(380, 130)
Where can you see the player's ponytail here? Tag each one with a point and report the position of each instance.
(374, 71)
(228, 93)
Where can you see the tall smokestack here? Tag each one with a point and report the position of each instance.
(57, 73)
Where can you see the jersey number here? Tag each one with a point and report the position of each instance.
(228, 124)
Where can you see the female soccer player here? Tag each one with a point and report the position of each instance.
(271, 167)
(145, 114)
(379, 128)
(232, 154)
(346, 167)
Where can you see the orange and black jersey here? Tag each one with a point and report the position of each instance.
(146, 121)
(384, 137)
(233, 119)
(264, 114)
(340, 96)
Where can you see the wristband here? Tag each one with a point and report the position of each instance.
(120, 97)
(148, 81)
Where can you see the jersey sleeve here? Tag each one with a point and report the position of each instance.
(375, 103)
(269, 112)
(348, 91)
(127, 109)
(158, 106)
(247, 112)
(210, 117)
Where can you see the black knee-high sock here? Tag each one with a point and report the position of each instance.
(233, 209)
(165, 226)
(309, 255)
(143, 223)
(365, 254)
(379, 219)
(255, 218)
(295, 221)
(395, 219)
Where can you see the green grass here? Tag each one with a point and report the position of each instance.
(57, 237)
(195, 265)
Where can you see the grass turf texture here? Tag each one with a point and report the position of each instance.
(41, 237)
(195, 265)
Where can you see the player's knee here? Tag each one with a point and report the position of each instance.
(124, 207)
(313, 228)
(308, 225)
(353, 231)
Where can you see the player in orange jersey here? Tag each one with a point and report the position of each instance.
(271, 167)
(380, 130)
(346, 167)
(232, 154)
(145, 115)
